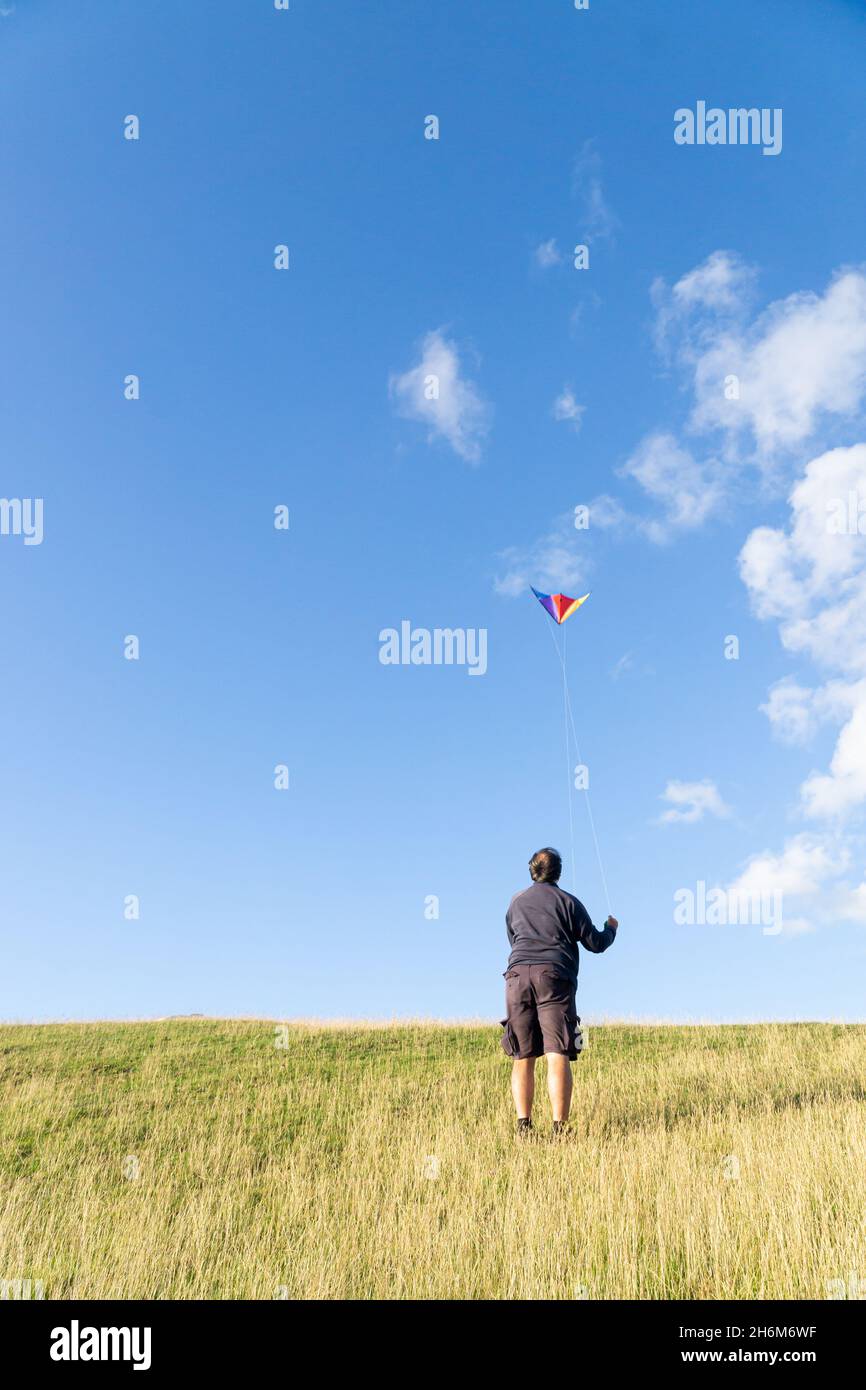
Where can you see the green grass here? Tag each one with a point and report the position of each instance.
(198, 1159)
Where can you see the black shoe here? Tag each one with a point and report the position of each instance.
(524, 1128)
(561, 1129)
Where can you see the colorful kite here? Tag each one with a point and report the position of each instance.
(559, 606)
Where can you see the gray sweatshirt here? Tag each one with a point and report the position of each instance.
(545, 925)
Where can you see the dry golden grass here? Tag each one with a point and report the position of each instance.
(380, 1162)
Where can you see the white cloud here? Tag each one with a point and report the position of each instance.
(834, 794)
(809, 868)
(547, 254)
(811, 875)
(800, 370)
(760, 389)
(720, 287)
(691, 801)
(435, 393)
(599, 219)
(802, 868)
(606, 513)
(555, 563)
(765, 569)
(795, 711)
(558, 559)
(760, 386)
(721, 283)
(625, 663)
(812, 577)
(803, 359)
(849, 904)
(565, 407)
(687, 490)
(790, 709)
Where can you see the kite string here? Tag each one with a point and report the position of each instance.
(568, 761)
(570, 718)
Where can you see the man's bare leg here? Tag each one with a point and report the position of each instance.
(523, 1086)
(559, 1085)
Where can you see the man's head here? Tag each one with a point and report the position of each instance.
(545, 866)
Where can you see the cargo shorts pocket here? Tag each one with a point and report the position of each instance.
(508, 1041)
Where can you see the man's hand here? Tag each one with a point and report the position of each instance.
(611, 921)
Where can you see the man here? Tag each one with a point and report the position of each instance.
(545, 925)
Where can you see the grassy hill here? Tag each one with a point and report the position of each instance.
(212, 1159)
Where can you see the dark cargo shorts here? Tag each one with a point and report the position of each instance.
(540, 1013)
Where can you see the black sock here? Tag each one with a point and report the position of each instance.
(524, 1124)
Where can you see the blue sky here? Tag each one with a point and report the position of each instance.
(558, 387)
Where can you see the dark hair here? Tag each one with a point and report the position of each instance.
(545, 866)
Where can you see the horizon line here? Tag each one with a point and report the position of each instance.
(410, 1020)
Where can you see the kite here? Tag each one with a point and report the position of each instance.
(559, 606)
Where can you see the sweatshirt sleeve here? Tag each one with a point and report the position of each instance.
(590, 937)
(508, 927)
